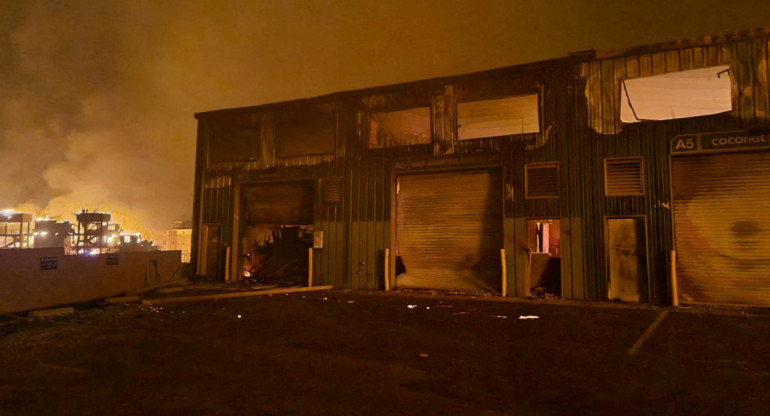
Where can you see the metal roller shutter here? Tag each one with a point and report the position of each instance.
(722, 227)
(279, 203)
(449, 230)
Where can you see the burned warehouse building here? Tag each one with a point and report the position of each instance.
(639, 175)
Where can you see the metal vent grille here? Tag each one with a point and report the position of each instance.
(623, 176)
(331, 191)
(542, 180)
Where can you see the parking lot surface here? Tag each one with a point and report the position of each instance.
(358, 353)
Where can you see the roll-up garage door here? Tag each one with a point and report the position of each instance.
(279, 203)
(722, 227)
(449, 230)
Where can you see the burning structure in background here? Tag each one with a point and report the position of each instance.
(93, 233)
(16, 232)
(52, 232)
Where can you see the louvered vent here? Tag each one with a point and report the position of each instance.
(331, 192)
(623, 176)
(542, 180)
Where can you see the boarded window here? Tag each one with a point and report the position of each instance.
(623, 176)
(542, 180)
(499, 117)
(312, 137)
(331, 191)
(693, 93)
(235, 145)
(399, 128)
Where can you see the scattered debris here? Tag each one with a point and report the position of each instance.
(523, 317)
(351, 301)
(281, 257)
(170, 290)
(153, 287)
(411, 306)
(236, 294)
(544, 293)
(122, 299)
(461, 313)
(264, 287)
(40, 313)
(423, 355)
(501, 316)
(239, 316)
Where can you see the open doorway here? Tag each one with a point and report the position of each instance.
(276, 232)
(211, 261)
(544, 258)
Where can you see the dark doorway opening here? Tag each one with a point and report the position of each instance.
(544, 257)
(277, 232)
(212, 256)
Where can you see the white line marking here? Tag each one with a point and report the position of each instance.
(638, 344)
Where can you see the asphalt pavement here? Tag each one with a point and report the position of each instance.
(358, 353)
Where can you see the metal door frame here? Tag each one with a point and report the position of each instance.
(527, 282)
(239, 209)
(205, 248)
(606, 241)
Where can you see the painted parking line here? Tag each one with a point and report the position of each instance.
(638, 344)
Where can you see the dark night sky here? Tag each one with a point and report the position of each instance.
(97, 97)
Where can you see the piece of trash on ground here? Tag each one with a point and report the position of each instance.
(523, 317)
(423, 355)
(411, 306)
(500, 316)
(351, 301)
(461, 313)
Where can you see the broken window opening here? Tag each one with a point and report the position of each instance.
(674, 95)
(236, 145)
(306, 137)
(518, 114)
(544, 258)
(399, 128)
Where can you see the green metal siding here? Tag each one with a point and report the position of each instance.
(358, 232)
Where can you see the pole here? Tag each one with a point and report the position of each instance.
(227, 264)
(310, 266)
(502, 267)
(674, 291)
(387, 269)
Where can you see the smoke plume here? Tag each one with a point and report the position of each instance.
(97, 97)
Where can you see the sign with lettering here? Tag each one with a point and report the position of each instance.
(448, 161)
(49, 263)
(716, 142)
(112, 259)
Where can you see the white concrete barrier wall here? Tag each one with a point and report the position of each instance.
(25, 285)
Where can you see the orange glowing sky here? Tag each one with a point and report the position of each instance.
(97, 97)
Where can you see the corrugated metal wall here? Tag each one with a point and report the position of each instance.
(579, 128)
(597, 105)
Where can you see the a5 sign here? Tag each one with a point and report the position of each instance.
(715, 142)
